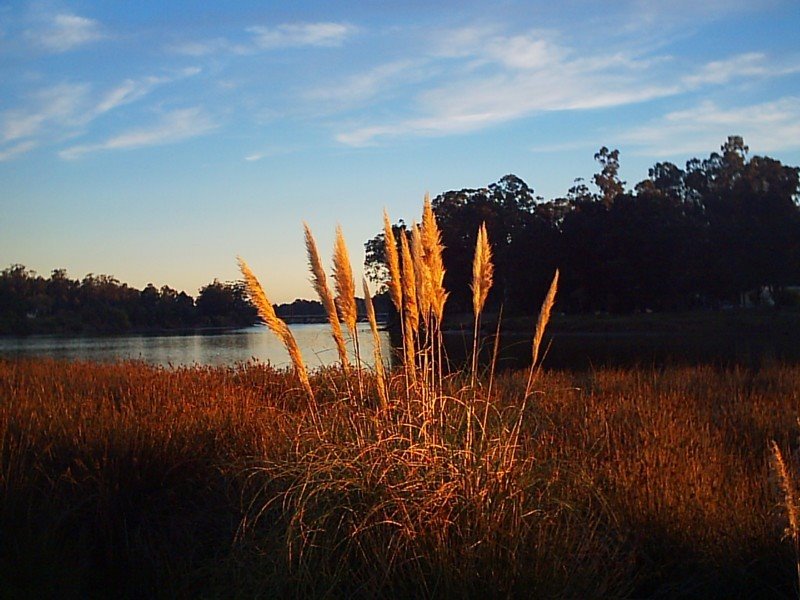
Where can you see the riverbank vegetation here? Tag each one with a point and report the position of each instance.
(133, 480)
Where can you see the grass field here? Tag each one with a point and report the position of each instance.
(129, 480)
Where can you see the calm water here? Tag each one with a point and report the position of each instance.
(225, 348)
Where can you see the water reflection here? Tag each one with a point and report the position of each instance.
(222, 348)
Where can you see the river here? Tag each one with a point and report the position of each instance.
(198, 348)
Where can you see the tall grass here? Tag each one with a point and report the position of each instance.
(134, 480)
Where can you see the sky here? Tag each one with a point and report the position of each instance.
(156, 141)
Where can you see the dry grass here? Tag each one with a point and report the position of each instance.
(646, 483)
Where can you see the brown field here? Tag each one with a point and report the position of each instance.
(132, 480)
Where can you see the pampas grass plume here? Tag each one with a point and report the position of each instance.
(267, 313)
(393, 263)
(343, 279)
(320, 283)
(482, 271)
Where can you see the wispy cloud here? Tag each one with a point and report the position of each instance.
(57, 105)
(751, 64)
(509, 77)
(67, 109)
(206, 47)
(173, 127)
(16, 150)
(301, 34)
(769, 126)
(261, 37)
(495, 78)
(365, 86)
(132, 90)
(63, 32)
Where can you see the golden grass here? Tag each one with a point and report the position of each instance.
(267, 313)
(482, 271)
(345, 285)
(380, 373)
(392, 264)
(320, 283)
(630, 483)
(790, 498)
(432, 251)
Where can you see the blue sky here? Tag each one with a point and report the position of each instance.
(155, 141)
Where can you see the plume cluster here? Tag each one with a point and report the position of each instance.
(415, 265)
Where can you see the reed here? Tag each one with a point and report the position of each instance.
(422, 275)
(433, 250)
(790, 497)
(482, 271)
(380, 373)
(344, 283)
(541, 323)
(393, 264)
(320, 283)
(482, 276)
(267, 313)
(410, 308)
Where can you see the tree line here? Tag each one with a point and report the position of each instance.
(721, 232)
(30, 303)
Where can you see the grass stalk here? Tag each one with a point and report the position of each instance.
(320, 283)
(789, 489)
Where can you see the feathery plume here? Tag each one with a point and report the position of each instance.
(267, 312)
(788, 489)
(380, 374)
(410, 310)
(343, 279)
(320, 283)
(393, 263)
(790, 502)
(544, 318)
(482, 271)
(433, 248)
(409, 285)
(421, 273)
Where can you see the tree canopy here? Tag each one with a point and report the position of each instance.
(704, 236)
(30, 303)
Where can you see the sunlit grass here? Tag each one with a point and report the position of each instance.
(194, 480)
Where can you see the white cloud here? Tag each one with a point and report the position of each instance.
(364, 86)
(132, 90)
(68, 108)
(752, 64)
(63, 32)
(769, 126)
(493, 78)
(17, 150)
(525, 52)
(173, 127)
(301, 34)
(207, 47)
(286, 35)
(508, 78)
(57, 105)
